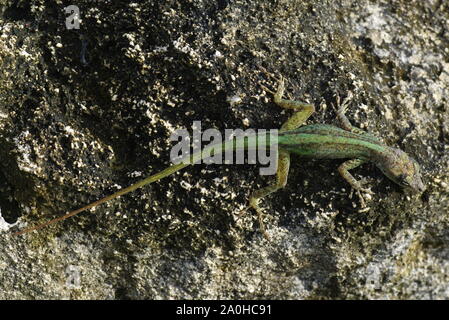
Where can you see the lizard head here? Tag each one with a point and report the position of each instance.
(402, 169)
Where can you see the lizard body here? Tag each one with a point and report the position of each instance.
(321, 141)
(317, 141)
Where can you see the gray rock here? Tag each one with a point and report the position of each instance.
(85, 112)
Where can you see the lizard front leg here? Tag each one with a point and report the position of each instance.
(344, 168)
(346, 124)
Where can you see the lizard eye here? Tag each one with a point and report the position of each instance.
(402, 179)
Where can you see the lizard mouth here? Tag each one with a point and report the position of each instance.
(418, 187)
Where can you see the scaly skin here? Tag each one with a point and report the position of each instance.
(316, 141)
(320, 141)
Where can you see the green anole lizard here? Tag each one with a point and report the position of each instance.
(316, 141)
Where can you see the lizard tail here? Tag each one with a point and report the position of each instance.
(236, 144)
(162, 174)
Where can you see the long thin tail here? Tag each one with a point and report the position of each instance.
(235, 144)
(162, 174)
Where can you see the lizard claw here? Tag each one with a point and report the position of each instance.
(254, 203)
(342, 106)
(367, 190)
(281, 85)
(267, 90)
(362, 199)
(364, 190)
(359, 194)
(242, 212)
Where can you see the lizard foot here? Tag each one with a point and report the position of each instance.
(359, 189)
(242, 212)
(342, 106)
(254, 203)
(281, 85)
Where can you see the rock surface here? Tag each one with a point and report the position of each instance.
(84, 112)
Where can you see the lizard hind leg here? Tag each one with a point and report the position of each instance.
(303, 110)
(281, 181)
